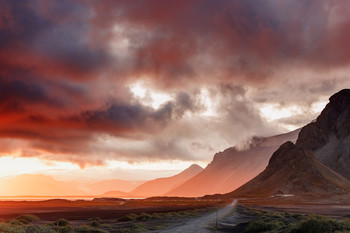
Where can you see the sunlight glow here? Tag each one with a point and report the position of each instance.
(274, 111)
(18, 165)
(207, 102)
(147, 96)
(317, 107)
(120, 43)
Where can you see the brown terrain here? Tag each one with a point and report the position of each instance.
(104, 208)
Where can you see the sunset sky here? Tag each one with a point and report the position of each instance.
(103, 89)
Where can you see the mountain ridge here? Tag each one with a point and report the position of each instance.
(292, 170)
(318, 163)
(220, 176)
(160, 186)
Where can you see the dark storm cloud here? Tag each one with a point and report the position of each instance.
(127, 118)
(226, 39)
(62, 61)
(48, 38)
(18, 90)
(133, 118)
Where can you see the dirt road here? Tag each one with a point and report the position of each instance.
(200, 224)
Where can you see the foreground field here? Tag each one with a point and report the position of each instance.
(101, 215)
(248, 219)
(130, 223)
(103, 208)
(163, 215)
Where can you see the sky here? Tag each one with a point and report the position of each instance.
(142, 89)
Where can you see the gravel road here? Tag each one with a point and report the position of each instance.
(199, 224)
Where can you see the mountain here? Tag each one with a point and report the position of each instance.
(160, 186)
(116, 194)
(329, 136)
(232, 167)
(293, 170)
(37, 185)
(319, 161)
(115, 184)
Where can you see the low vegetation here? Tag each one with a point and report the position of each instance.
(279, 222)
(132, 223)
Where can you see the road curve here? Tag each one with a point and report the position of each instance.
(199, 224)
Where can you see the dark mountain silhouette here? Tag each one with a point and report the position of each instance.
(329, 136)
(319, 161)
(232, 167)
(160, 186)
(292, 170)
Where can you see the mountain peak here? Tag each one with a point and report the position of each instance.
(284, 149)
(195, 167)
(328, 137)
(161, 186)
(341, 96)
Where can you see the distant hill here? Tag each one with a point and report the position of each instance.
(160, 186)
(292, 170)
(117, 194)
(37, 185)
(232, 167)
(104, 186)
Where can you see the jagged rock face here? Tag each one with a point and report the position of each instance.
(329, 136)
(292, 170)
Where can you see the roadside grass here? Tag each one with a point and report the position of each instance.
(131, 223)
(263, 221)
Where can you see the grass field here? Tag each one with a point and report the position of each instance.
(258, 221)
(132, 223)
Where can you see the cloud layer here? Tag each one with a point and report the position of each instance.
(67, 67)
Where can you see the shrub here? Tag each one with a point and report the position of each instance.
(157, 216)
(316, 224)
(129, 217)
(95, 224)
(65, 229)
(297, 216)
(144, 216)
(262, 226)
(11, 228)
(27, 218)
(15, 222)
(38, 229)
(88, 229)
(62, 222)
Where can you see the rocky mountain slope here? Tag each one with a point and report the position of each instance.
(160, 186)
(329, 136)
(292, 170)
(232, 167)
(319, 161)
